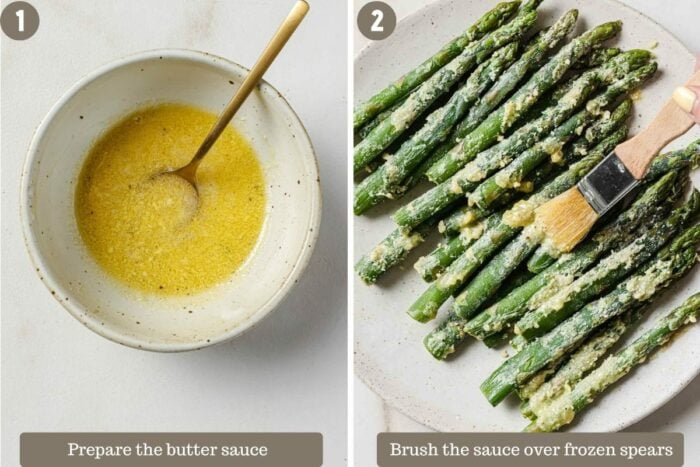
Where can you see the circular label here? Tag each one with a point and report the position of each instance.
(19, 20)
(376, 21)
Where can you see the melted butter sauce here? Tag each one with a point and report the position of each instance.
(148, 231)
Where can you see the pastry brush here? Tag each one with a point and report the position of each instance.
(566, 219)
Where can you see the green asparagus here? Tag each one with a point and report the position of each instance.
(670, 264)
(365, 130)
(391, 251)
(562, 410)
(542, 286)
(496, 340)
(440, 122)
(580, 362)
(489, 161)
(675, 160)
(605, 274)
(511, 175)
(497, 123)
(433, 264)
(657, 198)
(417, 102)
(410, 131)
(467, 215)
(425, 308)
(597, 57)
(532, 385)
(377, 187)
(533, 57)
(485, 284)
(400, 88)
(562, 88)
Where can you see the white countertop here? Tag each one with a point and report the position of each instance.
(682, 414)
(289, 372)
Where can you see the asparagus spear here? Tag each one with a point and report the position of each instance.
(377, 187)
(391, 251)
(511, 175)
(597, 57)
(495, 340)
(675, 160)
(417, 102)
(580, 362)
(414, 178)
(515, 280)
(585, 357)
(467, 215)
(533, 57)
(395, 91)
(555, 94)
(605, 274)
(530, 5)
(407, 134)
(495, 318)
(573, 74)
(425, 308)
(433, 264)
(532, 385)
(489, 161)
(670, 264)
(441, 121)
(546, 255)
(562, 411)
(487, 281)
(396, 246)
(498, 316)
(366, 129)
(506, 115)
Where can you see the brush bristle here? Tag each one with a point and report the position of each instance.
(566, 219)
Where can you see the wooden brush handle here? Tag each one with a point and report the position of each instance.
(637, 152)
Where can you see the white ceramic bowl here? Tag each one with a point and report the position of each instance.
(54, 161)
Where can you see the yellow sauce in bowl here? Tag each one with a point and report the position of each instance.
(147, 231)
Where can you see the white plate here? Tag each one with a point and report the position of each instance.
(390, 357)
(174, 323)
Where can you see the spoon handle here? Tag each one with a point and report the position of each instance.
(273, 48)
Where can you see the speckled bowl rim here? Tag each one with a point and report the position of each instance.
(78, 312)
(618, 425)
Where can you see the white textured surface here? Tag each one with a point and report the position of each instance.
(682, 414)
(286, 374)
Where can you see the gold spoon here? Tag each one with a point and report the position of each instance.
(284, 32)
